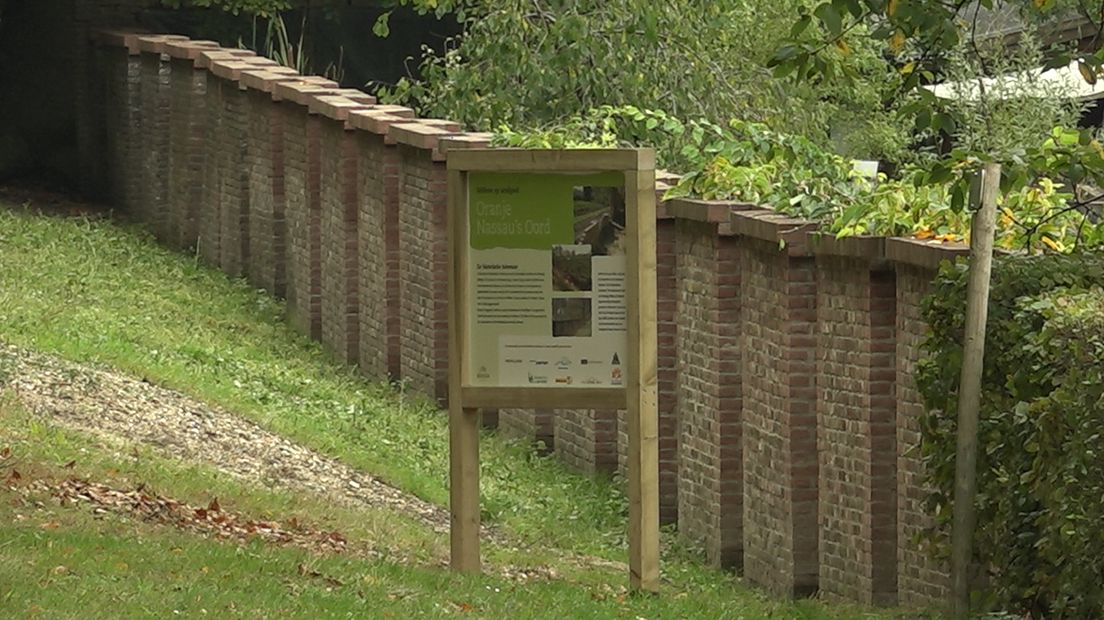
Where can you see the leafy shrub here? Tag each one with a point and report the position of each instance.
(1040, 475)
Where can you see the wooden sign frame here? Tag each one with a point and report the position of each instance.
(638, 397)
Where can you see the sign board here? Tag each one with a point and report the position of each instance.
(552, 305)
(546, 265)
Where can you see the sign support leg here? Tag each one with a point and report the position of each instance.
(464, 488)
(642, 406)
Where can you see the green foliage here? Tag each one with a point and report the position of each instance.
(261, 8)
(749, 162)
(527, 64)
(934, 41)
(744, 161)
(279, 46)
(278, 43)
(1040, 484)
(1000, 116)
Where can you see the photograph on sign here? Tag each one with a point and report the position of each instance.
(547, 280)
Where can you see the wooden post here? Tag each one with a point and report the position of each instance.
(642, 406)
(969, 390)
(463, 422)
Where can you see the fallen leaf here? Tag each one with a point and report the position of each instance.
(50, 525)
(5, 454)
(71, 464)
(15, 475)
(214, 505)
(60, 570)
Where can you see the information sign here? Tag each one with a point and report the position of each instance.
(552, 304)
(547, 279)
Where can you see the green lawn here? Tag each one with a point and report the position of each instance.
(92, 291)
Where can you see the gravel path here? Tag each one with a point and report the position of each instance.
(120, 408)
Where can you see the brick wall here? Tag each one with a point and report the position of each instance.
(856, 437)
(423, 275)
(92, 72)
(667, 372)
(233, 181)
(709, 389)
(153, 198)
(586, 439)
(129, 137)
(378, 245)
(187, 134)
(667, 360)
(301, 170)
(121, 121)
(779, 417)
(922, 580)
(264, 165)
(339, 258)
(533, 425)
(210, 215)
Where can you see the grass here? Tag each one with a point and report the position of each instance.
(68, 563)
(93, 291)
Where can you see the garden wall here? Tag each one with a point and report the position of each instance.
(788, 413)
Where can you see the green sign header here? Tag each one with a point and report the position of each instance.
(527, 211)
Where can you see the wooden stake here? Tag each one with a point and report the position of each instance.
(969, 390)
